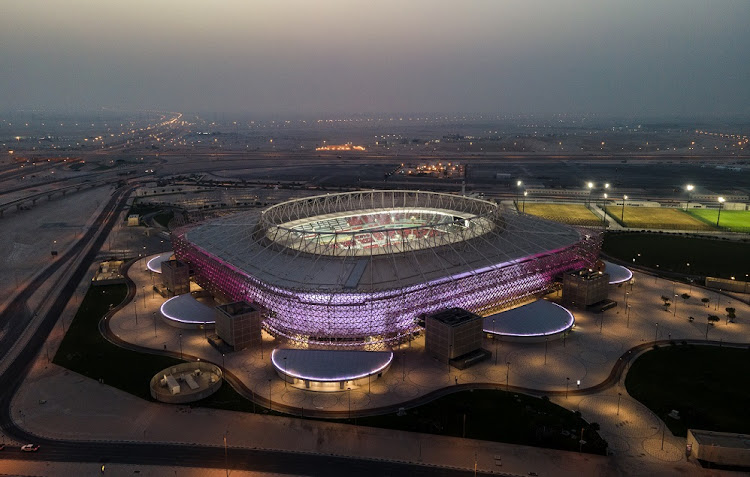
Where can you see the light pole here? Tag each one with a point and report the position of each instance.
(567, 383)
(627, 312)
(689, 189)
(656, 333)
(721, 206)
(349, 393)
(675, 305)
(518, 191)
(604, 210)
(143, 290)
(226, 459)
(622, 214)
(180, 338)
(507, 376)
(223, 364)
(523, 208)
(153, 315)
(590, 185)
(619, 395)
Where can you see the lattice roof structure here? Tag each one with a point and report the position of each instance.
(339, 255)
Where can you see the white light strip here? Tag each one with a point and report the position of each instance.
(334, 379)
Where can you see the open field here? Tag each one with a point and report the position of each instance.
(706, 384)
(735, 220)
(576, 214)
(657, 218)
(673, 253)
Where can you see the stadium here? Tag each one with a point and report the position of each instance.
(360, 269)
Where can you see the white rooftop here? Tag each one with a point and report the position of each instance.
(186, 309)
(540, 318)
(330, 365)
(617, 273)
(154, 263)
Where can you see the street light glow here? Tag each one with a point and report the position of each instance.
(690, 187)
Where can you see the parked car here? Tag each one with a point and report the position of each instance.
(30, 448)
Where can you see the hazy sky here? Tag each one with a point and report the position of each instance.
(351, 56)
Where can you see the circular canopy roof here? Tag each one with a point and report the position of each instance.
(154, 263)
(617, 273)
(330, 365)
(186, 309)
(540, 318)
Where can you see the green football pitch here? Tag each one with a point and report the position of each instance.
(735, 220)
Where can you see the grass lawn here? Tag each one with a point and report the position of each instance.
(86, 352)
(575, 214)
(708, 385)
(735, 220)
(497, 416)
(709, 257)
(657, 218)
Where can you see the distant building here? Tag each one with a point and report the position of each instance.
(238, 324)
(454, 336)
(585, 287)
(720, 448)
(176, 277)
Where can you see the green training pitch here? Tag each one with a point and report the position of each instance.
(735, 220)
(656, 218)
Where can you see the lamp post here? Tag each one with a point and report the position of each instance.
(675, 305)
(567, 383)
(518, 191)
(153, 314)
(523, 208)
(590, 185)
(627, 312)
(180, 338)
(656, 333)
(689, 189)
(622, 214)
(226, 460)
(604, 210)
(349, 393)
(721, 206)
(619, 395)
(507, 376)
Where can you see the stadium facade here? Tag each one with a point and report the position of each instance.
(359, 269)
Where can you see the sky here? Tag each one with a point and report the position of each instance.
(302, 57)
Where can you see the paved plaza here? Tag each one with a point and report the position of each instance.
(79, 408)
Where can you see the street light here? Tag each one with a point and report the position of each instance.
(604, 210)
(656, 333)
(622, 215)
(523, 208)
(567, 383)
(619, 395)
(689, 189)
(518, 191)
(675, 304)
(721, 206)
(590, 185)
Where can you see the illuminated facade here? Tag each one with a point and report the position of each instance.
(359, 269)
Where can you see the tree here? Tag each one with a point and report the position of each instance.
(705, 301)
(730, 314)
(666, 302)
(711, 320)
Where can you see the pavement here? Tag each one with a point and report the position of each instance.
(58, 404)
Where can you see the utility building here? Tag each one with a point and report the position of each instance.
(455, 336)
(585, 288)
(176, 277)
(238, 324)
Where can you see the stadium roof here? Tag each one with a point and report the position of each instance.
(484, 236)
